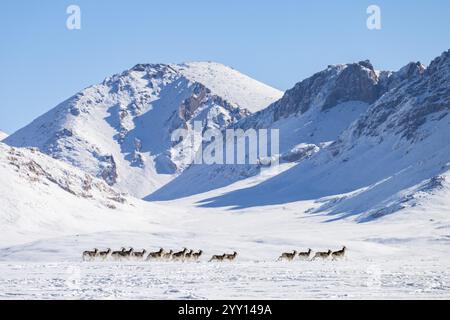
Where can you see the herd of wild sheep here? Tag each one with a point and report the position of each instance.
(162, 255)
(308, 255)
(191, 255)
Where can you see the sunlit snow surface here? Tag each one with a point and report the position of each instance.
(244, 280)
(3, 135)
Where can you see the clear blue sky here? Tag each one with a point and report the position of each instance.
(278, 42)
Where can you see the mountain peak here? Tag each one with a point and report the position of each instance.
(224, 81)
(414, 96)
(366, 64)
(120, 130)
(440, 64)
(146, 66)
(240, 89)
(330, 87)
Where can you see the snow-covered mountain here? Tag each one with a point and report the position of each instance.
(120, 130)
(354, 140)
(3, 135)
(395, 154)
(309, 117)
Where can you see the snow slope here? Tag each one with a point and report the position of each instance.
(384, 162)
(42, 197)
(120, 130)
(401, 256)
(3, 135)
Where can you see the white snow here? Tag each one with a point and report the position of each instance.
(243, 280)
(231, 84)
(3, 135)
(401, 257)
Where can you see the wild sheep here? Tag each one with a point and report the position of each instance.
(197, 255)
(322, 255)
(126, 254)
(232, 256)
(288, 256)
(179, 255)
(305, 255)
(104, 254)
(167, 255)
(155, 255)
(117, 254)
(188, 255)
(90, 255)
(139, 255)
(217, 257)
(339, 254)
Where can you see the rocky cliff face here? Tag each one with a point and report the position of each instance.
(423, 96)
(333, 86)
(389, 80)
